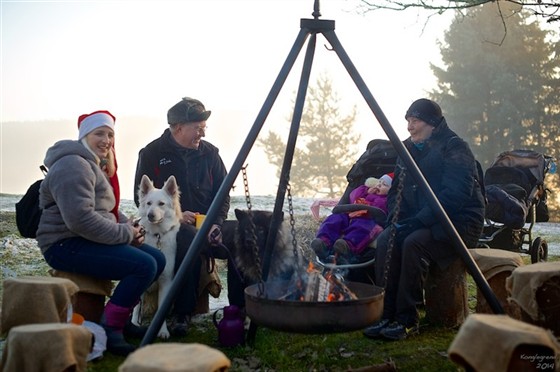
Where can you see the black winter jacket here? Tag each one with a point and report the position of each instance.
(449, 167)
(199, 173)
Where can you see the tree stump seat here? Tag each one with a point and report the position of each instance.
(488, 343)
(496, 265)
(175, 357)
(535, 290)
(47, 347)
(90, 299)
(445, 294)
(35, 300)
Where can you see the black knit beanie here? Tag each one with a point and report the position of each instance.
(426, 110)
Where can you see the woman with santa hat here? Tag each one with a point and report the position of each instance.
(82, 229)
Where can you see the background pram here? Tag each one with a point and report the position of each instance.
(517, 199)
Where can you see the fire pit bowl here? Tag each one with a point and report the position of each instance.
(313, 317)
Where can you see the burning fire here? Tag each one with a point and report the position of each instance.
(323, 287)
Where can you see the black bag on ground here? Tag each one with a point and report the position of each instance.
(28, 212)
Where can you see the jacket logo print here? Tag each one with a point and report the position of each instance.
(164, 161)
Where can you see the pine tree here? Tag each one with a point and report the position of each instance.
(500, 87)
(326, 145)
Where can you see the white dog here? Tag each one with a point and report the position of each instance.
(160, 214)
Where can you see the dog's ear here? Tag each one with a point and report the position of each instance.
(240, 214)
(171, 186)
(146, 185)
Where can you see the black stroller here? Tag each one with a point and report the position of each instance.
(517, 199)
(379, 158)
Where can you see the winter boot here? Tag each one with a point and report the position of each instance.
(113, 322)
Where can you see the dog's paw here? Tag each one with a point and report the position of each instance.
(164, 332)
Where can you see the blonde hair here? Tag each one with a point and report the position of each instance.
(111, 163)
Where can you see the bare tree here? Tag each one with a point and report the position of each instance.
(546, 9)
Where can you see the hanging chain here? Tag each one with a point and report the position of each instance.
(252, 241)
(394, 219)
(292, 222)
(246, 186)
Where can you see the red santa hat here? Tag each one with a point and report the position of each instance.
(89, 122)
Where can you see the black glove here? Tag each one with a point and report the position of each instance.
(406, 227)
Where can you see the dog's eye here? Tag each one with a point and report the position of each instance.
(149, 203)
(161, 204)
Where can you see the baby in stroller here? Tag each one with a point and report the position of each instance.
(346, 234)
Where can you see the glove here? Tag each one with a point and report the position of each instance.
(406, 227)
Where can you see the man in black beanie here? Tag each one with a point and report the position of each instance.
(449, 166)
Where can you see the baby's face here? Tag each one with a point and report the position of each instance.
(381, 188)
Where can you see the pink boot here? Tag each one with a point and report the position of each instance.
(113, 321)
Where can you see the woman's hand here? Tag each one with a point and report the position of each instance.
(138, 234)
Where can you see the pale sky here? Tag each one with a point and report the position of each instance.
(138, 58)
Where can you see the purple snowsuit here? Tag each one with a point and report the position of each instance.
(358, 232)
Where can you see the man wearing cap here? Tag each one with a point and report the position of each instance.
(449, 166)
(200, 171)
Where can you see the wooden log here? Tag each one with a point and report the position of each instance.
(446, 294)
(498, 285)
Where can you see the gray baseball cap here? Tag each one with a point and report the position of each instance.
(188, 110)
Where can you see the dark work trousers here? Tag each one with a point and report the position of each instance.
(187, 295)
(236, 286)
(235, 282)
(408, 269)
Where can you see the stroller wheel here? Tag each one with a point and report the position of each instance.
(539, 250)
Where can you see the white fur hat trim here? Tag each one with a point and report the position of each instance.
(95, 121)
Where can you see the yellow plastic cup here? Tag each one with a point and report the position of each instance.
(199, 220)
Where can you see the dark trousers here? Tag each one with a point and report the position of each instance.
(187, 294)
(407, 271)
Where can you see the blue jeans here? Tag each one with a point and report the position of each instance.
(136, 268)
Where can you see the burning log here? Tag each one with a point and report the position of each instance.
(316, 286)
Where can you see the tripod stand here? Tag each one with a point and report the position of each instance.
(309, 29)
